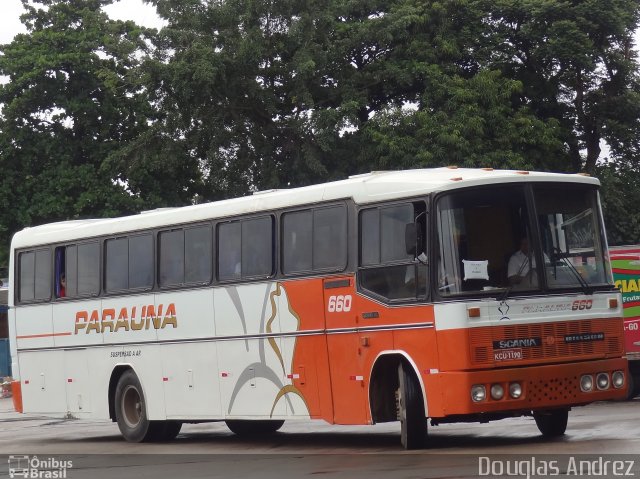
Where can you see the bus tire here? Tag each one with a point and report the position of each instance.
(131, 410)
(259, 427)
(413, 423)
(633, 386)
(552, 423)
(630, 387)
(167, 431)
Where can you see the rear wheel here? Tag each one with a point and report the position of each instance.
(168, 430)
(131, 409)
(254, 427)
(552, 423)
(413, 423)
(131, 413)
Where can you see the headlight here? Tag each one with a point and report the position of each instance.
(497, 391)
(602, 381)
(515, 390)
(586, 383)
(478, 393)
(617, 379)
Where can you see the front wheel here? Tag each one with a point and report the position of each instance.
(552, 423)
(413, 423)
(258, 427)
(633, 386)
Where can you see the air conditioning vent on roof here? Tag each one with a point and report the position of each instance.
(371, 173)
(157, 210)
(265, 191)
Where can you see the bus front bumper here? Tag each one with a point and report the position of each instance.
(540, 387)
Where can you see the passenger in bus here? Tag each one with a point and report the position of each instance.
(62, 292)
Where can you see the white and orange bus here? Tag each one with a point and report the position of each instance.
(441, 295)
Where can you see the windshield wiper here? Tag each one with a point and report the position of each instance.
(586, 289)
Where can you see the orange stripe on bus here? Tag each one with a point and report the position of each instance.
(46, 335)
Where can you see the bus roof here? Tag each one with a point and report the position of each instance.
(365, 188)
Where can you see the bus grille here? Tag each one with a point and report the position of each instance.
(552, 335)
(558, 390)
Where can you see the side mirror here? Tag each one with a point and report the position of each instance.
(410, 238)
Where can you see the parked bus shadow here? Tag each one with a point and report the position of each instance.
(362, 439)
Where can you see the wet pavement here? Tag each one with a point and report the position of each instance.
(306, 448)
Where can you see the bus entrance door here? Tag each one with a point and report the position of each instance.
(348, 379)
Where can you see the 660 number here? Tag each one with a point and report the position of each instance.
(339, 304)
(579, 305)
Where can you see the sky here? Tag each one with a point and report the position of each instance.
(143, 14)
(135, 10)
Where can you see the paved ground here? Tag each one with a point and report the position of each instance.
(305, 448)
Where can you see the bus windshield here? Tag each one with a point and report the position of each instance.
(488, 240)
(572, 237)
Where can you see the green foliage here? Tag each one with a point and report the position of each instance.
(576, 63)
(72, 102)
(620, 197)
(103, 117)
(470, 123)
(272, 94)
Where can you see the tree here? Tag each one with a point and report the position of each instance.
(620, 199)
(272, 94)
(102, 117)
(73, 101)
(576, 63)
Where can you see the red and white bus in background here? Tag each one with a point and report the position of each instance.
(442, 295)
(625, 262)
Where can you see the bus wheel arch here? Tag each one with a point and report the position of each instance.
(128, 407)
(117, 372)
(384, 384)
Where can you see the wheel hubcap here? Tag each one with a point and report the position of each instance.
(131, 406)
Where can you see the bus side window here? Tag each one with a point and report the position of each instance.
(197, 255)
(171, 267)
(116, 264)
(141, 261)
(330, 238)
(85, 279)
(71, 271)
(386, 268)
(229, 251)
(79, 266)
(129, 263)
(314, 240)
(245, 249)
(297, 242)
(59, 275)
(26, 290)
(257, 247)
(35, 275)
